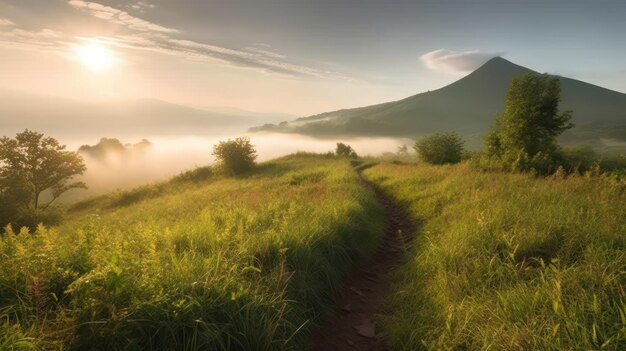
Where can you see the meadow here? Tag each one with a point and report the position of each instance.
(205, 261)
(202, 261)
(507, 261)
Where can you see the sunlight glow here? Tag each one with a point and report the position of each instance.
(95, 56)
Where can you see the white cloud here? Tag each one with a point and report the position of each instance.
(265, 50)
(265, 59)
(5, 22)
(456, 61)
(119, 16)
(141, 6)
(141, 34)
(42, 40)
(146, 35)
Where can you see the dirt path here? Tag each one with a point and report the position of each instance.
(359, 300)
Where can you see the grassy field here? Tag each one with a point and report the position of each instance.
(206, 262)
(200, 262)
(508, 261)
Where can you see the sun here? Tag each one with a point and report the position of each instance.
(95, 56)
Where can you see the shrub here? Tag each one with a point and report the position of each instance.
(440, 148)
(236, 155)
(345, 150)
(198, 174)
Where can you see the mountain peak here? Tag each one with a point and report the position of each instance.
(496, 60)
(468, 106)
(501, 65)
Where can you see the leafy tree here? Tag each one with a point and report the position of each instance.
(345, 150)
(440, 148)
(402, 151)
(14, 197)
(31, 164)
(112, 146)
(236, 155)
(102, 148)
(524, 136)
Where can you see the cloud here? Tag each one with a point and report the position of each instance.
(5, 22)
(141, 6)
(119, 16)
(456, 61)
(265, 59)
(140, 34)
(265, 50)
(43, 40)
(146, 35)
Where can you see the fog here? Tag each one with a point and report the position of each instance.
(169, 156)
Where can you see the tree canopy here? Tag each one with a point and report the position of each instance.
(31, 164)
(525, 133)
(345, 150)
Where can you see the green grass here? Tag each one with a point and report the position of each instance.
(500, 261)
(202, 262)
(508, 261)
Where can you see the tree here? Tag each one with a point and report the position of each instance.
(524, 136)
(14, 199)
(237, 155)
(345, 150)
(440, 148)
(402, 151)
(31, 164)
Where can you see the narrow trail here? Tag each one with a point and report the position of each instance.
(359, 301)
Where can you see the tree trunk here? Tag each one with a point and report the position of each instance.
(36, 204)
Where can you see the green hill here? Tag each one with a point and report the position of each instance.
(202, 262)
(507, 261)
(469, 106)
(208, 262)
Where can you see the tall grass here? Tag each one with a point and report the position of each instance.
(508, 261)
(244, 263)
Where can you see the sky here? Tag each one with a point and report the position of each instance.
(300, 57)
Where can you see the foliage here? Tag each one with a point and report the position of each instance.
(31, 164)
(344, 150)
(198, 174)
(571, 161)
(402, 151)
(236, 155)
(112, 146)
(231, 264)
(440, 148)
(584, 159)
(103, 147)
(508, 261)
(524, 136)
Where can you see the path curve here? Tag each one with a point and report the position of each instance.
(359, 300)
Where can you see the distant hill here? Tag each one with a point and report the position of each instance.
(65, 118)
(469, 106)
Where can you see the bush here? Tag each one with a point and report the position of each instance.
(196, 175)
(235, 156)
(345, 150)
(440, 148)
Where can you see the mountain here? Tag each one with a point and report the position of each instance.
(61, 117)
(468, 106)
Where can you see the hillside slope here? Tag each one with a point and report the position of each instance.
(468, 106)
(508, 261)
(203, 262)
